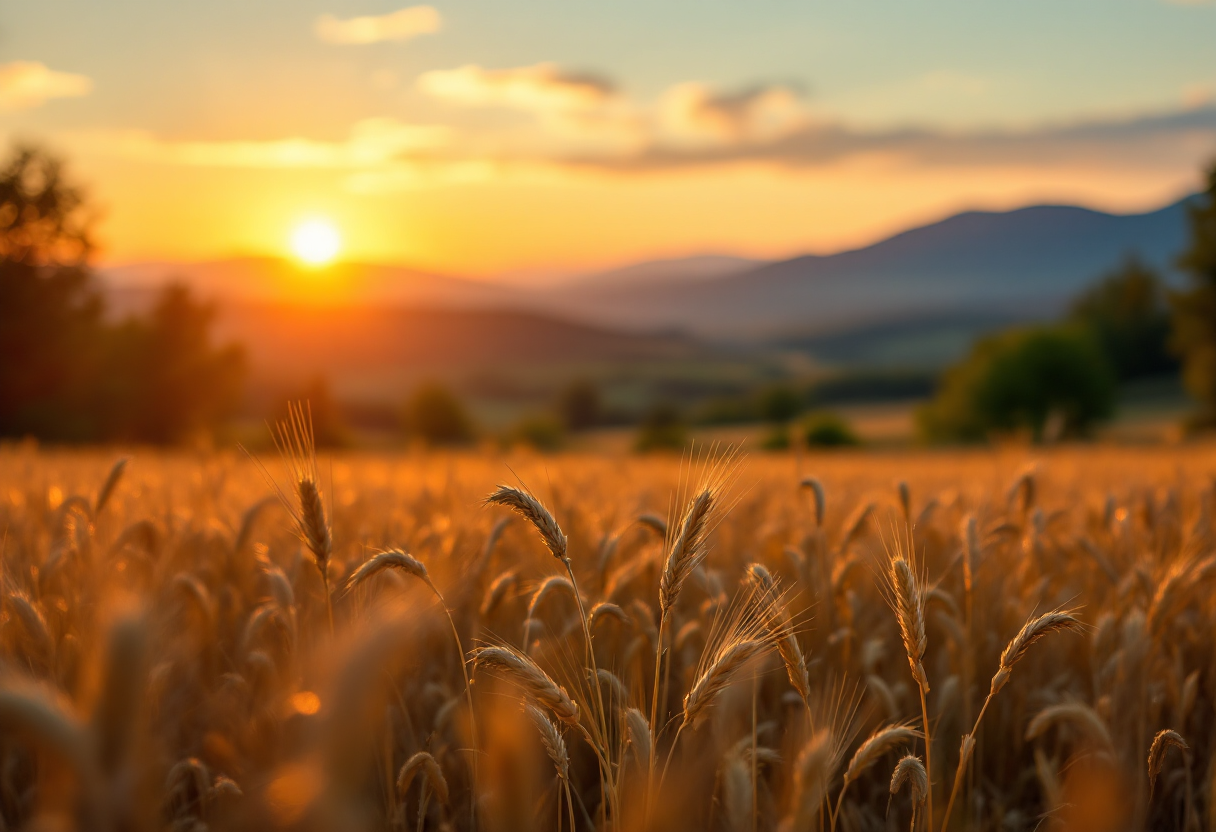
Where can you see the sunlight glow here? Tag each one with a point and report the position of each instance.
(316, 242)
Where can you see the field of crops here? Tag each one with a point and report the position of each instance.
(713, 642)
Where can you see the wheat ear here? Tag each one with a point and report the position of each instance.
(911, 771)
(528, 675)
(1156, 755)
(869, 752)
(107, 488)
(1033, 630)
(404, 562)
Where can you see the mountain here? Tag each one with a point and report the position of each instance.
(921, 295)
(680, 269)
(1019, 265)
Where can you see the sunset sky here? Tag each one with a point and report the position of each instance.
(537, 138)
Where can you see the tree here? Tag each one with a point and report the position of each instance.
(66, 373)
(434, 415)
(1195, 307)
(1019, 381)
(579, 405)
(50, 311)
(780, 404)
(1129, 314)
(828, 430)
(164, 381)
(662, 427)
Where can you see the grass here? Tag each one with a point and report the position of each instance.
(999, 639)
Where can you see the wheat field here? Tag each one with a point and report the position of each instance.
(999, 639)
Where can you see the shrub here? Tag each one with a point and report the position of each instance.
(828, 430)
(1017, 381)
(780, 404)
(541, 431)
(434, 415)
(661, 427)
(580, 406)
(777, 439)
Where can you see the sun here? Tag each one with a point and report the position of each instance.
(316, 242)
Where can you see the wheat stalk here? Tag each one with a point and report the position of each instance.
(1034, 630)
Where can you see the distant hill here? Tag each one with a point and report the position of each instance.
(1019, 265)
(270, 279)
(680, 269)
(373, 351)
(920, 296)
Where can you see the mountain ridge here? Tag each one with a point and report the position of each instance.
(1025, 263)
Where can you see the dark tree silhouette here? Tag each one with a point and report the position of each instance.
(50, 312)
(167, 382)
(1195, 307)
(1129, 313)
(579, 405)
(66, 373)
(434, 415)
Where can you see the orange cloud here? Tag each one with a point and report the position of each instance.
(401, 25)
(540, 88)
(28, 84)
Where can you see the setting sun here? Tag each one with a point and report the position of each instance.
(316, 242)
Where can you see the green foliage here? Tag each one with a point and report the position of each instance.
(1017, 381)
(828, 430)
(727, 410)
(69, 375)
(541, 431)
(1128, 314)
(779, 404)
(777, 439)
(1195, 308)
(579, 405)
(872, 385)
(434, 415)
(662, 427)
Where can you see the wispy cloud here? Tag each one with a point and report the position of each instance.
(542, 88)
(371, 143)
(401, 25)
(585, 125)
(692, 115)
(28, 84)
(1150, 140)
(588, 107)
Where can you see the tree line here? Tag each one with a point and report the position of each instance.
(70, 371)
(1060, 380)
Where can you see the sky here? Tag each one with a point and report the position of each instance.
(538, 138)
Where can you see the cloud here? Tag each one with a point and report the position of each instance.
(401, 25)
(28, 84)
(1148, 141)
(543, 88)
(692, 114)
(371, 143)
